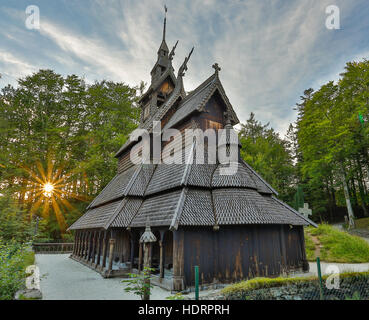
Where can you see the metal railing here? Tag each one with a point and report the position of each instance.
(50, 248)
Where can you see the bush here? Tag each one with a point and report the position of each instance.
(297, 288)
(14, 258)
(337, 246)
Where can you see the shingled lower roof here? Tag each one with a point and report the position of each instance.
(247, 206)
(96, 217)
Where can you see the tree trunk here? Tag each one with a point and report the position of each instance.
(348, 201)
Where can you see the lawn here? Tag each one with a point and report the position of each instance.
(333, 245)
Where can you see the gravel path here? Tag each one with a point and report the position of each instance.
(65, 279)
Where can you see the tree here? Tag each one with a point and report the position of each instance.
(61, 129)
(268, 154)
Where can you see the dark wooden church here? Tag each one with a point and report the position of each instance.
(232, 226)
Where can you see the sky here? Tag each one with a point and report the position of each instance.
(269, 51)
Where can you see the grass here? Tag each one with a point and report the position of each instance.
(261, 283)
(336, 246)
(14, 259)
(310, 248)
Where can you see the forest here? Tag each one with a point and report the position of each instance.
(62, 133)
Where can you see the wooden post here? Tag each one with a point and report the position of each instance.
(75, 243)
(83, 244)
(140, 257)
(178, 260)
(103, 265)
(161, 262)
(86, 245)
(80, 240)
(283, 249)
(111, 251)
(162, 257)
(89, 246)
(98, 249)
(93, 247)
(132, 257)
(147, 258)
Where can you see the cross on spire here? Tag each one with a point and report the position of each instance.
(216, 67)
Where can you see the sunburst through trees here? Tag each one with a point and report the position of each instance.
(50, 189)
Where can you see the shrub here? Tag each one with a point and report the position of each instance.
(14, 258)
(243, 288)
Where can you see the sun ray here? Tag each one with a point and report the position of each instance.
(41, 170)
(51, 189)
(35, 207)
(45, 211)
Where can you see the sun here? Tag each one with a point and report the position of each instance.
(48, 188)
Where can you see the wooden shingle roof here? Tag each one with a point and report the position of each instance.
(187, 194)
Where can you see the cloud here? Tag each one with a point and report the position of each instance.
(269, 51)
(13, 66)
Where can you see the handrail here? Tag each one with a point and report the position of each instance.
(53, 247)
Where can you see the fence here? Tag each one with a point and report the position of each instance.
(50, 248)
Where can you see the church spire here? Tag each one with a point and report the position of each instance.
(165, 22)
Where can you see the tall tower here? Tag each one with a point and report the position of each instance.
(163, 80)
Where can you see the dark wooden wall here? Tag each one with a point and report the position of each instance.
(238, 252)
(122, 249)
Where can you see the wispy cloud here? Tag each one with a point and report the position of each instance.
(269, 51)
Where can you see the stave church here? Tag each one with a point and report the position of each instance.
(233, 227)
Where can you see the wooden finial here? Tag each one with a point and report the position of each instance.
(216, 68)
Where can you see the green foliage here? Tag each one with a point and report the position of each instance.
(309, 247)
(177, 296)
(140, 284)
(332, 131)
(261, 283)
(337, 246)
(14, 258)
(77, 126)
(299, 198)
(268, 154)
(13, 222)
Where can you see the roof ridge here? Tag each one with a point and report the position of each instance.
(179, 209)
(266, 183)
(127, 189)
(188, 167)
(94, 200)
(200, 87)
(115, 213)
(295, 211)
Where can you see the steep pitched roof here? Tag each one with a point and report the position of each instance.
(197, 100)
